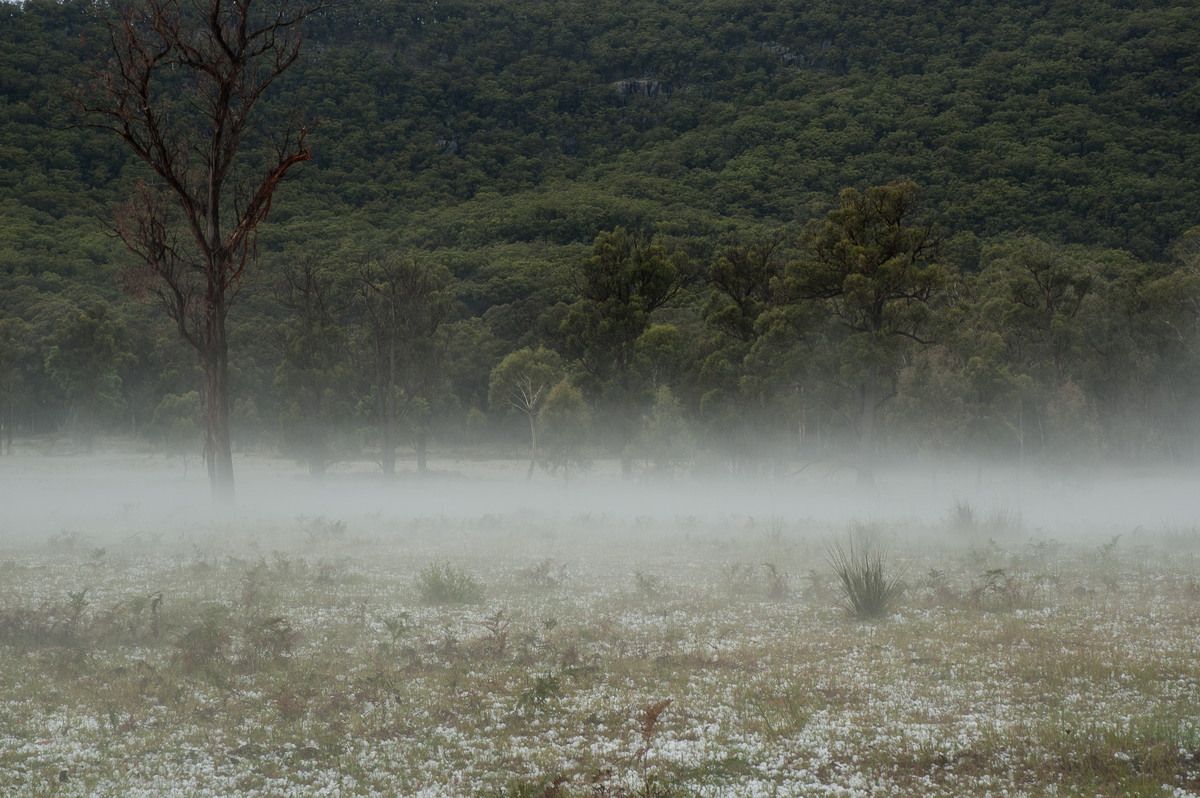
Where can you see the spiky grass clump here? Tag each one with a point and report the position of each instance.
(1000, 519)
(870, 590)
(962, 517)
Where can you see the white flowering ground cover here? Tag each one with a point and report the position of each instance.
(543, 654)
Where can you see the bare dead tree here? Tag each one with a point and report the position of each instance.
(179, 86)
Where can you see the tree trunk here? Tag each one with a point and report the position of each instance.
(422, 436)
(628, 418)
(866, 430)
(87, 420)
(1020, 439)
(217, 449)
(533, 447)
(387, 438)
(386, 386)
(228, 56)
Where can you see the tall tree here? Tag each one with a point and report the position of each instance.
(88, 346)
(314, 366)
(180, 88)
(1031, 295)
(522, 381)
(404, 304)
(872, 263)
(567, 422)
(752, 376)
(16, 343)
(626, 279)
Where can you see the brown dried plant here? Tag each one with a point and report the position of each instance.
(648, 725)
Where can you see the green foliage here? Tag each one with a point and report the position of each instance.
(267, 643)
(665, 442)
(742, 278)
(204, 647)
(442, 583)
(999, 520)
(753, 114)
(540, 695)
(315, 362)
(567, 421)
(872, 264)
(627, 277)
(16, 348)
(176, 422)
(752, 378)
(404, 303)
(1057, 150)
(87, 349)
(522, 381)
(996, 590)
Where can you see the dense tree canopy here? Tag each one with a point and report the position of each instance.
(662, 195)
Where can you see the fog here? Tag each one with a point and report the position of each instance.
(117, 494)
(353, 635)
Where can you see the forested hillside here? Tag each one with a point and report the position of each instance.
(722, 235)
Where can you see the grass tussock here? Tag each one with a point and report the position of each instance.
(870, 586)
(1000, 520)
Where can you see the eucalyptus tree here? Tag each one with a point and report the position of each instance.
(180, 86)
(16, 344)
(404, 304)
(88, 346)
(314, 368)
(1139, 353)
(522, 381)
(1032, 295)
(752, 375)
(625, 280)
(568, 424)
(872, 266)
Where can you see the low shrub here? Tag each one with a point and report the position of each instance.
(442, 583)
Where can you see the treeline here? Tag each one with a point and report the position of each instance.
(640, 204)
(850, 339)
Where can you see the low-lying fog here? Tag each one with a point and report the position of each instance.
(119, 494)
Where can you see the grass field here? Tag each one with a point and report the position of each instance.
(549, 653)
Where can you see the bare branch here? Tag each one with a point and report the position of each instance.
(179, 87)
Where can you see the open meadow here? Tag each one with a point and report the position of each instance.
(476, 635)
